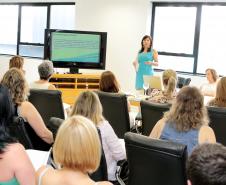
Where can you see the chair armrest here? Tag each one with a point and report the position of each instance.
(122, 172)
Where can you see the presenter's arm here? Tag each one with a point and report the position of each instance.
(155, 62)
(136, 64)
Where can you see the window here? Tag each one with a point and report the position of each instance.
(8, 31)
(212, 45)
(190, 37)
(23, 26)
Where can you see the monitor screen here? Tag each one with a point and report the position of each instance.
(76, 49)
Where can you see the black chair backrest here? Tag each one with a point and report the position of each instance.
(115, 110)
(17, 130)
(101, 173)
(217, 117)
(48, 103)
(151, 113)
(37, 142)
(156, 162)
(183, 82)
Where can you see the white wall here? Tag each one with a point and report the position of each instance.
(125, 21)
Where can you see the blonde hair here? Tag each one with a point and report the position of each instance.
(188, 111)
(77, 145)
(169, 78)
(15, 81)
(88, 104)
(220, 99)
(213, 73)
(17, 62)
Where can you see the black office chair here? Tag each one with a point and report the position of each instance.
(54, 124)
(181, 82)
(17, 130)
(115, 110)
(151, 113)
(217, 117)
(48, 103)
(156, 162)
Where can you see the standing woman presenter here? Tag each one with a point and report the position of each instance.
(146, 58)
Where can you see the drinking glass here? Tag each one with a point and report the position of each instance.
(145, 87)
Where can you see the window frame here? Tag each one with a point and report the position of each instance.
(20, 5)
(198, 5)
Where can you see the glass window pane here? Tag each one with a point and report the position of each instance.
(33, 24)
(212, 45)
(174, 29)
(177, 63)
(31, 51)
(62, 17)
(8, 31)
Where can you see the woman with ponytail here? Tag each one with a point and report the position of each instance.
(169, 78)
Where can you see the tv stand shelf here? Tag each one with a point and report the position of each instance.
(72, 84)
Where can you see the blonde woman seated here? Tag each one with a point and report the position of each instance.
(14, 80)
(76, 151)
(220, 98)
(15, 166)
(45, 70)
(169, 78)
(209, 89)
(186, 122)
(109, 83)
(88, 105)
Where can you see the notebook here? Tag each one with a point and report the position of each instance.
(155, 82)
(38, 158)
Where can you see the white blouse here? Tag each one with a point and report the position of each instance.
(113, 148)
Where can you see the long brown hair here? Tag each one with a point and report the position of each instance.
(188, 111)
(220, 99)
(108, 82)
(142, 46)
(15, 81)
(17, 62)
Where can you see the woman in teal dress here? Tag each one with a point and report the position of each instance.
(147, 57)
(15, 166)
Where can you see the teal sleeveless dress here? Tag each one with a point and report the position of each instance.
(13, 181)
(143, 68)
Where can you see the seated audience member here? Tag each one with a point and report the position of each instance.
(15, 166)
(207, 165)
(45, 70)
(88, 104)
(17, 62)
(17, 85)
(209, 89)
(187, 120)
(220, 98)
(76, 151)
(169, 79)
(109, 83)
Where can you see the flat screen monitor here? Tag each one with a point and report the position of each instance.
(76, 49)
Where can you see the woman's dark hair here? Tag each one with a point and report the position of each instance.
(142, 47)
(108, 82)
(6, 117)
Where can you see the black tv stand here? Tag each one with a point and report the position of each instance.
(74, 70)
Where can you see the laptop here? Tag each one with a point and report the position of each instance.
(155, 82)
